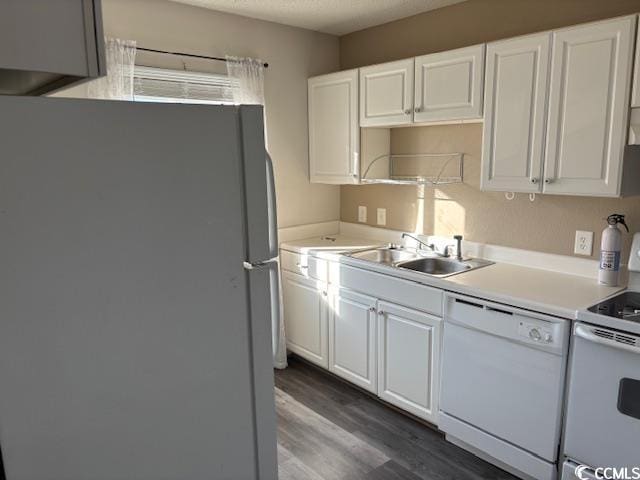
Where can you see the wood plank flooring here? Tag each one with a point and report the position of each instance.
(328, 430)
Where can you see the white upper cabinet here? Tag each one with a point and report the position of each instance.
(588, 108)
(386, 94)
(635, 93)
(449, 85)
(46, 45)
(517, 77)
(334, 134)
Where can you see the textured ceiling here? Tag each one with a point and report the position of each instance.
(337, 17)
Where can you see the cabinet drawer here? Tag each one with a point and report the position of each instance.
(304, 264)
(386, 287)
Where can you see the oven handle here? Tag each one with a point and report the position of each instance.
(587, 334)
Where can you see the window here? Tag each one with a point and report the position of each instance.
(175, 86)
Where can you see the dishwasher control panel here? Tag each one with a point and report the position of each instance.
(535, 332)
(523, 326)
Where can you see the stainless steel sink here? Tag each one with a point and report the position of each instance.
(385, 255)
(418, 260)
(442, 267)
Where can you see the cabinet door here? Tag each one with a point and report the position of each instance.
(305, 317)
(334, 135)
(635, 89)
(448, 85)
(46, 45)
(588, 108)
(386, 94)
(409, 359)
(352, 338)
(514, 113)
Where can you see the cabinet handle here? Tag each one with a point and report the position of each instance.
(372, 309)
(534, 180)
(548, 180)
(381, 312)
(417, 109)
(324, 294)
(304, 267)
(407, 112)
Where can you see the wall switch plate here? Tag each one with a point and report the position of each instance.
(584, 243)
(362, 214)
(382, 216)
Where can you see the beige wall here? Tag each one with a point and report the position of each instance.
(549, 223)
(293, 54)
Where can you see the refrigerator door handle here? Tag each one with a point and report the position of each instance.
(271, 200)
(260, 265)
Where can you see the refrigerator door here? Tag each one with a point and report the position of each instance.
(129, 330)
(262, 272)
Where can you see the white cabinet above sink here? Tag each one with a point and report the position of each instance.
(386, 94)
(449, 85)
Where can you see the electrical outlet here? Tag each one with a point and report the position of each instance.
(362, 214)
(584, 243)
(382, 216)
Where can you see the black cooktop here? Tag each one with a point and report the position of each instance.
(625, 306)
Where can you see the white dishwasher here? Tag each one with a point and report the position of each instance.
(503, 373)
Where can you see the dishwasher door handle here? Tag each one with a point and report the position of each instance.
(588, 334)
(467, 302)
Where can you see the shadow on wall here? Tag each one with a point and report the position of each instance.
(547, 224)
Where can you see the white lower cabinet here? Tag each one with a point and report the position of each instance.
(352, 338)
(306, 311)
(408, 359)
(390, 350)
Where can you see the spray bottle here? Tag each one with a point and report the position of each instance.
(610, 248)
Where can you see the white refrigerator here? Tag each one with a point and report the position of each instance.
(137, 288)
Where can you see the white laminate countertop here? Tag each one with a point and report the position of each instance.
(329, 244)
(535, 289)
(532, 288)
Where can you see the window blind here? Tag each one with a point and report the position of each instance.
(162, 85)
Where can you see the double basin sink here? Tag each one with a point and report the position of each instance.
(419, 261)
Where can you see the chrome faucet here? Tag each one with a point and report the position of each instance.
(430, 246)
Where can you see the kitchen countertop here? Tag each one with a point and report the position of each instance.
(534, 289)
(329, 244)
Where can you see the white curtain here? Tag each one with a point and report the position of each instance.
(118, 84)
(247, 76)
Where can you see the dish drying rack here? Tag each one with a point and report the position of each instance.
(447, 165)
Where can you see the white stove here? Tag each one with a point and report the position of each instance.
(602, 428)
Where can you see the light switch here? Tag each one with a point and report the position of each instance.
(362, 214)
(382, 216)
(584, 243)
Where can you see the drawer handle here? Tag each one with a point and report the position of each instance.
(304, 267)
(467, 302)
(497, 310)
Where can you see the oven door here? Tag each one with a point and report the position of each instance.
(603, 413)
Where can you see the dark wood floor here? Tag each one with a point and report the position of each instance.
(328, 430)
